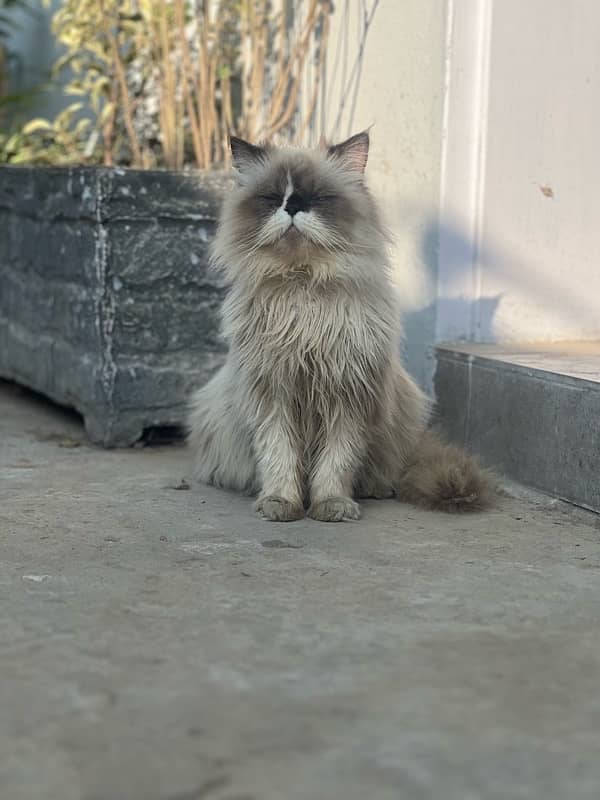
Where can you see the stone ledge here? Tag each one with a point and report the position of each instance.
(529, 411)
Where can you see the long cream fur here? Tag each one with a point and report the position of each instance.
(313, 407)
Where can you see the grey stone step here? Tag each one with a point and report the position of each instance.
(530, 411)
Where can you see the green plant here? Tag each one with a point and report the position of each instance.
(61, 142)
(162, 82)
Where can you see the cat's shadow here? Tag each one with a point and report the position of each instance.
(420, 325)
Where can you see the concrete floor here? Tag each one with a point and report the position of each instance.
(159, 644)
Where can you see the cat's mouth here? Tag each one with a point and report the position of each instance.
(292, 234)
(299, 233)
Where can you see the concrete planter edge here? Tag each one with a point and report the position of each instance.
(107, 303)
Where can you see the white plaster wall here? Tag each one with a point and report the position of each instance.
(520, 242)
(391, 76)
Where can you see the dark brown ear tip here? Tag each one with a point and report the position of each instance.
(235, 141)
(244, 152)
(361, 138)
(353, 152)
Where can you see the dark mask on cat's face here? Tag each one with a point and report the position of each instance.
(297, 204)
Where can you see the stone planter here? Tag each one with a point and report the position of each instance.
(106, 303)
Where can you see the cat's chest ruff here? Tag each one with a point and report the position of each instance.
(295, 326)
(306, 319)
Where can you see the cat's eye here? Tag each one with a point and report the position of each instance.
(325, 198)
(271, 199)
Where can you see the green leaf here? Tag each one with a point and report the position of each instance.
(22, 157)
(38, 124)
(107, 110)
(13, 141)
(81, 126)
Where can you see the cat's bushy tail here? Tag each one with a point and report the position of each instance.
(443, 477)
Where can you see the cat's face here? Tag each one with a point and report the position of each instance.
(296, 206)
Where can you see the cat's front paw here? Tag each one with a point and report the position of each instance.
(278, 509)
(334, 509)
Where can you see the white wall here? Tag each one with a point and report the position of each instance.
(391, 76)
(520, 242)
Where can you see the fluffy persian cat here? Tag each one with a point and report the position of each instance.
(313, 408)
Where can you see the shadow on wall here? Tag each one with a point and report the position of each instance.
(467, 312)
(508, 296)
(473, 314)
(475, 317)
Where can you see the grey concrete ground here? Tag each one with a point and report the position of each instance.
(163, 644)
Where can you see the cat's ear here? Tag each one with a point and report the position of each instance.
(352, 153)
(245, 154)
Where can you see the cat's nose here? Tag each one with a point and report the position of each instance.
(296, 203)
